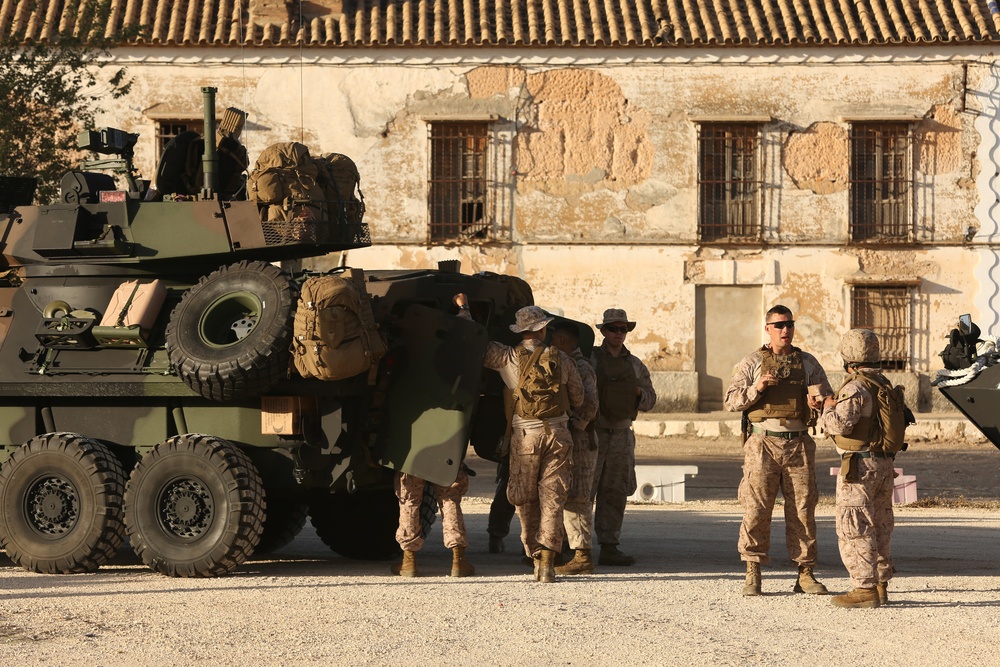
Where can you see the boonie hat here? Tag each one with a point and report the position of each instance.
(613, 315)
(530, 318)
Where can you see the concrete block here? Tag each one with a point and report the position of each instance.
(663, 483)
(676, 391)
(651, 428)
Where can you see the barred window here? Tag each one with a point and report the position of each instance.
(881, 182)
(168, 129)
(457, 182)
(886, 311)
(729, 182)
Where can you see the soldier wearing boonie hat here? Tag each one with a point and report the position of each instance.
(624, 389)
(546, 385)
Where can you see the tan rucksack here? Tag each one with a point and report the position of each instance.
(286, 179)
(340, 180)
(891, 416)
(334, 332)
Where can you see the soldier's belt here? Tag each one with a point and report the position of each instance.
(787, 435)
(878, 455)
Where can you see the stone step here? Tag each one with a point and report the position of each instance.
(929, 426)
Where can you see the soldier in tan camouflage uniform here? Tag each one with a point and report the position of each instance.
(540, 447)
(410, 492)
(864, 488)
(624, 388)
(578, 513)
(770, 386)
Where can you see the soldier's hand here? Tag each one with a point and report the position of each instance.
(461, 300)
(766, 380)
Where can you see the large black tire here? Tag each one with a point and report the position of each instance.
(61, 506)
(229, 336)
(286, 516)
(359, 525)
(194, 507)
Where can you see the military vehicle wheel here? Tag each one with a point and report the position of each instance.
(229, 336)
(194, 507)
(359, 525)
(61, 504)
(286, 516)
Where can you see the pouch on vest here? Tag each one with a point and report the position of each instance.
(334, 334)
(616, 386)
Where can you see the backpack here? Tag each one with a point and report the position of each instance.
(334, 335)
(340, 180)
(539, 393)
(890, 417)
(285, 178)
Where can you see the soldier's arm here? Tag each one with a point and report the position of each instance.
(816, 375)
(841, 415)
(647, 395)
(743, 392)
(588, 411)
(573, 382)
(497, 354)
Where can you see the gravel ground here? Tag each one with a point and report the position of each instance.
(681, 602)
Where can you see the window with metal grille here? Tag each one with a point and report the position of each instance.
(886, 311)
(881, 182)
(457, 185)
(729, 182)
(168, 129)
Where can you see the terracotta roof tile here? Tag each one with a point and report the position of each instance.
(512, 23)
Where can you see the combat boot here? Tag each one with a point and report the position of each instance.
(496, 545)
(752, 584)
(407, 568)
(806, 583)
(459, 566)
(859, 598)
(610, 555)
(546, 566)
(882, 588)
(581, 563)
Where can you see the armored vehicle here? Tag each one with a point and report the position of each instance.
(147, 390)
(971, 377)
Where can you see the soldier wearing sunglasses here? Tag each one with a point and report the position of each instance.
(770, 387)
(624, 388)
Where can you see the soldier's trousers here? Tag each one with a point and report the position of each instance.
(539, 480)
(614, 482)
(501, 511)
(410, 492)
(578, 515)
(771, 463)
(865, 522)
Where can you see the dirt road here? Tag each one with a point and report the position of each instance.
(680, 603)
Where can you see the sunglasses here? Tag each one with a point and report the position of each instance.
(783, 324)
(612, 329)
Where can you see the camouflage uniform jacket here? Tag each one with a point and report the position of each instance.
(647, 396)
(504, 359)
(583, 415)
(742, 392)
(853, 402)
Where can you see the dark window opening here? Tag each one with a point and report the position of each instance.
(881, 182)
(458, 181)
(168, 129)
(886, 311)
(729, 182)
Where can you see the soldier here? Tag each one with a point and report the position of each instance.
(623, 388)
(867, 443)
(410, 492)
(770, 387)
(546, 386)
(578, 513)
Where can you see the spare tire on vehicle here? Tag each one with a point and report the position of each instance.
(229, 336)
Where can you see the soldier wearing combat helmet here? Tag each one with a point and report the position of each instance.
(770, 387)
(866, 421)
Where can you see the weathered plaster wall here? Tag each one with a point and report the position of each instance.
(595, 170)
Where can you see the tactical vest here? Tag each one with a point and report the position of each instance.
(787, 399)
(616, 385)
(883, 429)
(540, 393)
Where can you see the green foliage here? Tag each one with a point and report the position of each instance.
(52, 89)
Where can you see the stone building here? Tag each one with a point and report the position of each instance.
(691, 161)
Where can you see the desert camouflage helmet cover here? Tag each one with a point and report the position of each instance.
(860, 346)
